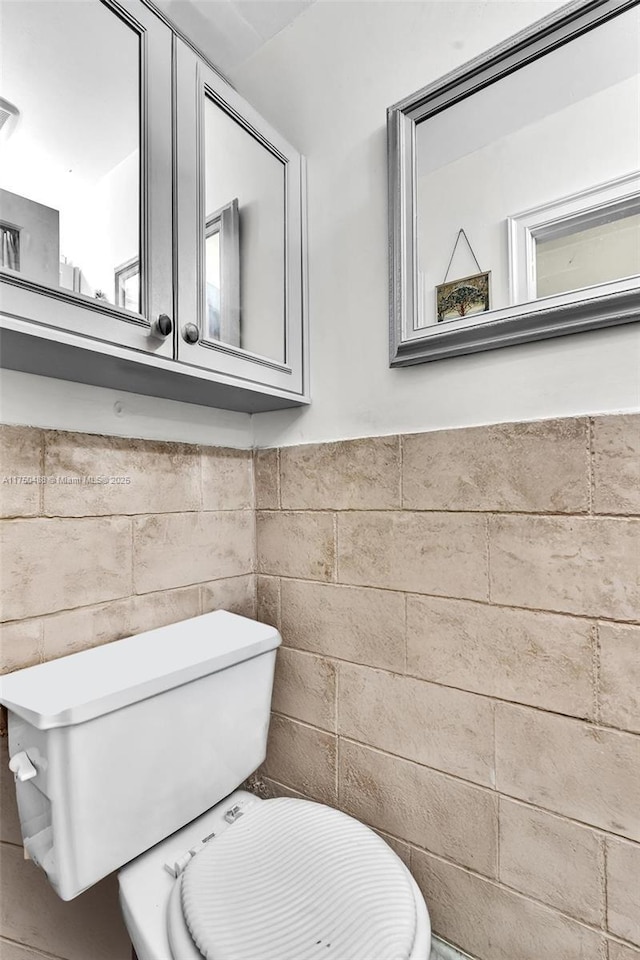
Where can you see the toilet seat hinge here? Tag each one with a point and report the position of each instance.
(178, 866)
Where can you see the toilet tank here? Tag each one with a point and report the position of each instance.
(123, 744)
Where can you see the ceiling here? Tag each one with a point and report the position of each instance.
(231, 31)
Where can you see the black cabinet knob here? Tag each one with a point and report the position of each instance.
(161, 327)
(190, 333)
(165, 326)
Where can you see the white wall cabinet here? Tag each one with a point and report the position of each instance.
(179, 216)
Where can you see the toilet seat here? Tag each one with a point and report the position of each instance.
(294, 880)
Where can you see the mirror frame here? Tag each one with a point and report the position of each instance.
(519, 323)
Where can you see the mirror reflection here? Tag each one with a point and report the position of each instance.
(244, 238)
(70, 149)
(540, 170)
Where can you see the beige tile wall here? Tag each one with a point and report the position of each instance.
(461, 667)
(84, 563)
(461, 659)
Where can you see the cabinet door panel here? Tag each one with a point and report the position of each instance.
(240, 308)
(85, 183)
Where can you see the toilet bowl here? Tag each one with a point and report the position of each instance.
(103, 780)
(281, 879)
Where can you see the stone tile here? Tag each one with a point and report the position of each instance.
(268, 600)
(14, 951)
(579, 565)
(9, 820)
(267, 479)
(441, 553)
(296, 545)
(305, 688)
(527, 467)
(143, 476)
(399, 847)
(279, 790)
(89, 926)
(177, 549)
(257, 784)
(236, 594)
(347, 475)
(448, 816)
(20, 644)
(493, 923)
(616, 464)
(21, 457)
(619, 692)
(227, 479)
(541, 659)
(302, 758)
(570, 767)
(436, 726)
(75, 630)
(553, 860)
(351, 623)
(50, 565)
(623, 889)
(621, 951)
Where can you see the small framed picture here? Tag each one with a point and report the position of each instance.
(462, 298)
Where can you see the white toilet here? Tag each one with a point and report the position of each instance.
(116, 748)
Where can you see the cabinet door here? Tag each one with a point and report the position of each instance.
(240, 252)
(85, 177)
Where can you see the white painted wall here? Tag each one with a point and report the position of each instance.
(62, 405)
(325, 82)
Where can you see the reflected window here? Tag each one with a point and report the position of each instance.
(9, 247)
(127, 283)
(213, 283)
(222, 273)
(577, 256)
(244, 237)
(70, 164)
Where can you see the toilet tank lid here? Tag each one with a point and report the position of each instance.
(86, 685)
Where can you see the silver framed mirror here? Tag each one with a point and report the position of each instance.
(514, 190)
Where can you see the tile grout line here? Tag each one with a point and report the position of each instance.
(604, 883)
(337, 733)
(279, 602)
(201, 597)
(630, 518)
(43, 462)
(595, 671)
(406, 634)
(28, 948)
(487, 528)
(254, 510)
(498, 826)
(200, 480)
(41, 644)
(591, 472)
(133, 551)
